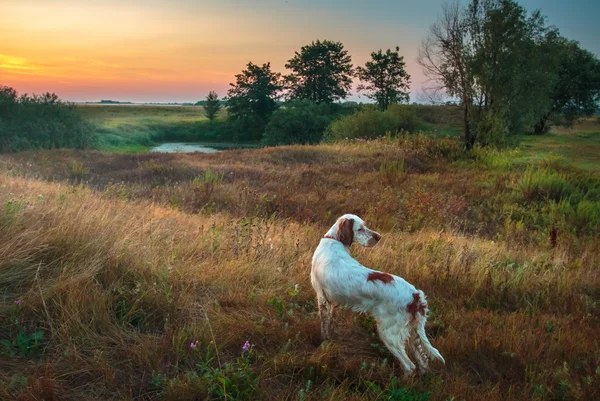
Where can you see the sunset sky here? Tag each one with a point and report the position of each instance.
(178, 50)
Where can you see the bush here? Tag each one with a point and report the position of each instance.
(40, 121)
(583, 217)
(538, 184)
(493, 130)
(371, 123)
(301, 122)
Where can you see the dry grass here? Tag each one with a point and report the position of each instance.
(124, 271)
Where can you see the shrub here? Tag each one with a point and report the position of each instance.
(392, 171)
(370, 123)
(40, 121)
(586, 216)
(406, 117)
(301, 122)
(493, 130)
(538, 184)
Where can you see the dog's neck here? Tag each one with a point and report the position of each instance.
(331, 237)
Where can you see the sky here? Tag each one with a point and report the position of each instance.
(178, 50)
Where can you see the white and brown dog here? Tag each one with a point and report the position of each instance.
(398, 307)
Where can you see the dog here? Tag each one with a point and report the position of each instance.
(398, 307)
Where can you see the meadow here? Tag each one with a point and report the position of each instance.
(142, 276)
(136, 128)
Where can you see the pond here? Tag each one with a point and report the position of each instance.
(182, 147)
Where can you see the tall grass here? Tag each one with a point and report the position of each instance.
(139, 296)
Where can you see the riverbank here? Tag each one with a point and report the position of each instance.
(137, 129)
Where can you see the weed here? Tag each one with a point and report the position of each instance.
(77, 171)
(392, 171)
(25, 344)
(540, 184)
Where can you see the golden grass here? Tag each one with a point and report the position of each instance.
(122, 281)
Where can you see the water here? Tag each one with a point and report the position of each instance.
(182, 147)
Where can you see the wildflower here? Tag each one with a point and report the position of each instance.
(193, 345)
(246, 346)
(18, 302)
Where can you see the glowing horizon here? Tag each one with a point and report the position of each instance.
(159, 51)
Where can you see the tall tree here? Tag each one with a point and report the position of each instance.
(576, 92)
(253, 98)
(514, 63)
(498, 60)
(384, 78)
(445, 56)
(212, 105)
(321, 72)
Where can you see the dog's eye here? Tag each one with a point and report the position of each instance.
(361, 229)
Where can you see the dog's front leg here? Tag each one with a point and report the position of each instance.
(326, 312)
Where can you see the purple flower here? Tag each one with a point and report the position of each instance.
(193, 345)
(18, 302)
(246, 346)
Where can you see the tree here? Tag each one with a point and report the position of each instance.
(445, 56)
(321, 72)
(576, 92)
(301, 121)
(384, 78)
(498, 60)
(253, 98)
(212, 105)
(514, 63)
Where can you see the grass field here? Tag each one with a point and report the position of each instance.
(142, 276)
(134, 128)
(579, 144)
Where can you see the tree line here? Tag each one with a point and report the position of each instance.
(508, 69)
(320, 74)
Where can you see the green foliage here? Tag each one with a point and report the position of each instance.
(25, 344)
(371, 123)
(212, 105)
(514, 62)
(321, 72)
(299, 122)
(252, 100)
(395, 393)
(492, 130)
(583, 217)
(384, 78)
(204, 185)
(392, 171)
(77, 170)
(233, 381)
(541, 183)
(576, 91)
(277, 304)
(40, 121)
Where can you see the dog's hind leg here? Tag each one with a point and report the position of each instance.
(427, 347)
(395, 340)
(416, 348)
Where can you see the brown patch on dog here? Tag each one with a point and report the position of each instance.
(416, 306)
(345, 231)
(386, 278)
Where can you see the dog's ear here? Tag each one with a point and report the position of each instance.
(345, 231)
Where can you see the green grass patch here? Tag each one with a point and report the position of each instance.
(581, 148)
(133, 129)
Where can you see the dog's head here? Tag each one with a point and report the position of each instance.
(350, 228)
